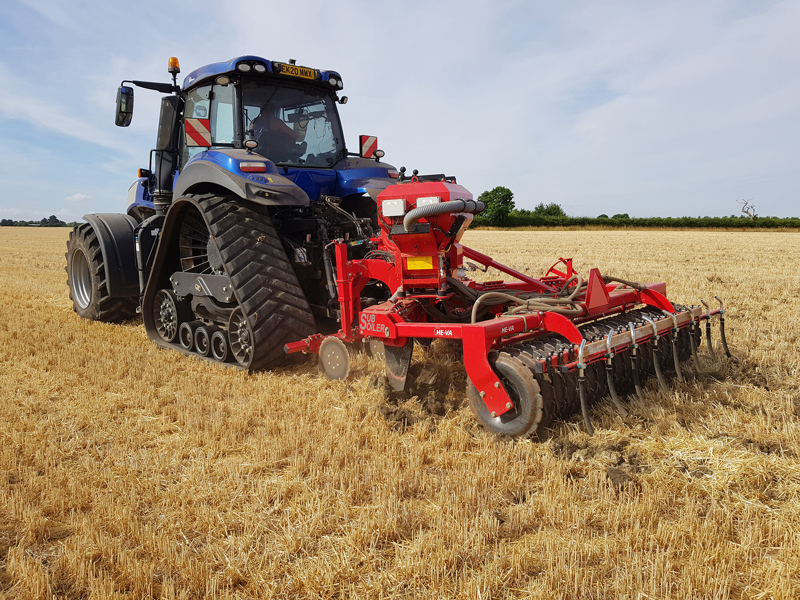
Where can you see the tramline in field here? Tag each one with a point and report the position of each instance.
(255, 233)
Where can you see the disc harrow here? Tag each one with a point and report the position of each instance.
(535, 350)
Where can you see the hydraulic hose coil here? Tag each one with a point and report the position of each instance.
(440, 208)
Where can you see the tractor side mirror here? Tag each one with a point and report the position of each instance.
(124, 106)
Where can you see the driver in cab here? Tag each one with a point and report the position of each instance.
(276, 140)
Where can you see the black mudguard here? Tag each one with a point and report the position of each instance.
(116, 234)
(267, 189)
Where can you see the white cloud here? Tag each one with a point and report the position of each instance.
(78, 198)
(621, 106)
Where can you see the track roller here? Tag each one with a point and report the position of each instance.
(186, 334)
(220, 349)
(202, 340)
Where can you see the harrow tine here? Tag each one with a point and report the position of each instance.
(708, 331)
(637, 382)
(610, 377)
(675, 358)
(659, 375)
(693, 344)
(582, 390)
(722, 326)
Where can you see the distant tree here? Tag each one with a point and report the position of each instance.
(499, 204)
(621, 216)
(549, 210)
(748, 208)
(603, 216)
(6, 223)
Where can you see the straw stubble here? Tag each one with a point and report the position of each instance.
(130, 471)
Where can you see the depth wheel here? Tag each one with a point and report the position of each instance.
(240, 338)
(334, 359)
(523, 390)
(86, 278)
(166, 314)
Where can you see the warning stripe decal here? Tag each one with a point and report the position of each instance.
(198, 132)
(369, 143)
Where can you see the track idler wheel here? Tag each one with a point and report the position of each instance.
(168, 314)
(240, 337)
(523, 390)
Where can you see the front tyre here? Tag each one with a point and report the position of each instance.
(86, 279)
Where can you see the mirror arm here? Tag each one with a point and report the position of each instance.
(164, 88)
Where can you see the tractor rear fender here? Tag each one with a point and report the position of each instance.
(116, 234)
(268, 189)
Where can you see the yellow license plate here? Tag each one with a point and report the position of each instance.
(296, 71)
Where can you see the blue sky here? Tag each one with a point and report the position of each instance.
(663, 108)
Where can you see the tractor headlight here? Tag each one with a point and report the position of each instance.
(394, 208)
(259, 68)
(243, 67)
(333, 81)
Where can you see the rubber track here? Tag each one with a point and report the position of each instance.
(560, 390)
(264, 282)
(108, 310)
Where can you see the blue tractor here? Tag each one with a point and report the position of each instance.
(225, 248)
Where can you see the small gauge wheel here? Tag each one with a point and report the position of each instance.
(334, 359)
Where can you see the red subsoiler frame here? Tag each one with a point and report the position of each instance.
(420, 261)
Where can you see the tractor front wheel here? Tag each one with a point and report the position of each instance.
(86, 278)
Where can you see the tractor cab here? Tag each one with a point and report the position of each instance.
(262, 122)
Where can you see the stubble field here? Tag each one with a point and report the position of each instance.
(131, 472)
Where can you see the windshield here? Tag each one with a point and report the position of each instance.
(292, 125)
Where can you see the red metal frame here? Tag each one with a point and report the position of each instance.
(435, 254)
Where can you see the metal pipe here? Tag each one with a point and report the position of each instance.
(582, 390)
(656, 364)
(708, 331)
(722, 326)
(675, 358)
(332, 287)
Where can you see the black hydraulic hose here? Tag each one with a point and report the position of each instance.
(440, 208)
(332, 288)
